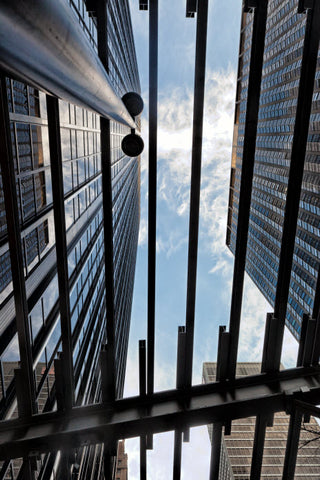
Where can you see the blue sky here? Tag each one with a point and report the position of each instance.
(215, 263)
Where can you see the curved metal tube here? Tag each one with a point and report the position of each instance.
(42, 43)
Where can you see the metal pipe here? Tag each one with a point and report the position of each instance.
(215, 451)
(152, 206)
(42, 44)
(177, 455)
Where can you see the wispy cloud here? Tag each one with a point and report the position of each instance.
(254, 310)
(174, 165)
(143, 231)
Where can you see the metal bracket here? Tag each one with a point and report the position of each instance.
(293, 396)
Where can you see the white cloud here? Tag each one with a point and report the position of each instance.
(289, 350)
(253, 320)
(254, 311)
(174, 165)
(143, 231)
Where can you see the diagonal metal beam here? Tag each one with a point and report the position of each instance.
(160, 412)
(199, 85)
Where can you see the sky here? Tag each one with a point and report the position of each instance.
(215, 262)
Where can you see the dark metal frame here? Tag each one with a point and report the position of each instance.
(262, 395)
(160, 412)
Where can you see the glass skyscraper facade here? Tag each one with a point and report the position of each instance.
(82, 182)
(278, 99)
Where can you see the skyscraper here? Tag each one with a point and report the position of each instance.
(86, 237)
(278, 100)
(122, 463)
(236, 449)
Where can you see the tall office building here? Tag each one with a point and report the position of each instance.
(278, 99)
(236, 449)
(122, 463)
(83, 203)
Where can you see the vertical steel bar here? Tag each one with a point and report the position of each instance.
(177, 455)
(26, 472)
(152, 206)
(292, 445)
(258, 446)
(143, 458)
(107, 385)
(65, 467)
(102, 26)
(215, 451)
(308, 350)
(300, 136)
(61, 246)
(142, 367)
(14, 239)
(255, 73)
(107, 205)
(108, 247)
(181, 348)
(199, 85)
(142, 392)
(302, 341)
(222, 354)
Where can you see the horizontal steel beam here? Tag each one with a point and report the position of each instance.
(160, 412)
(42, 44)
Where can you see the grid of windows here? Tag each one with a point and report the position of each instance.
(82, 182)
